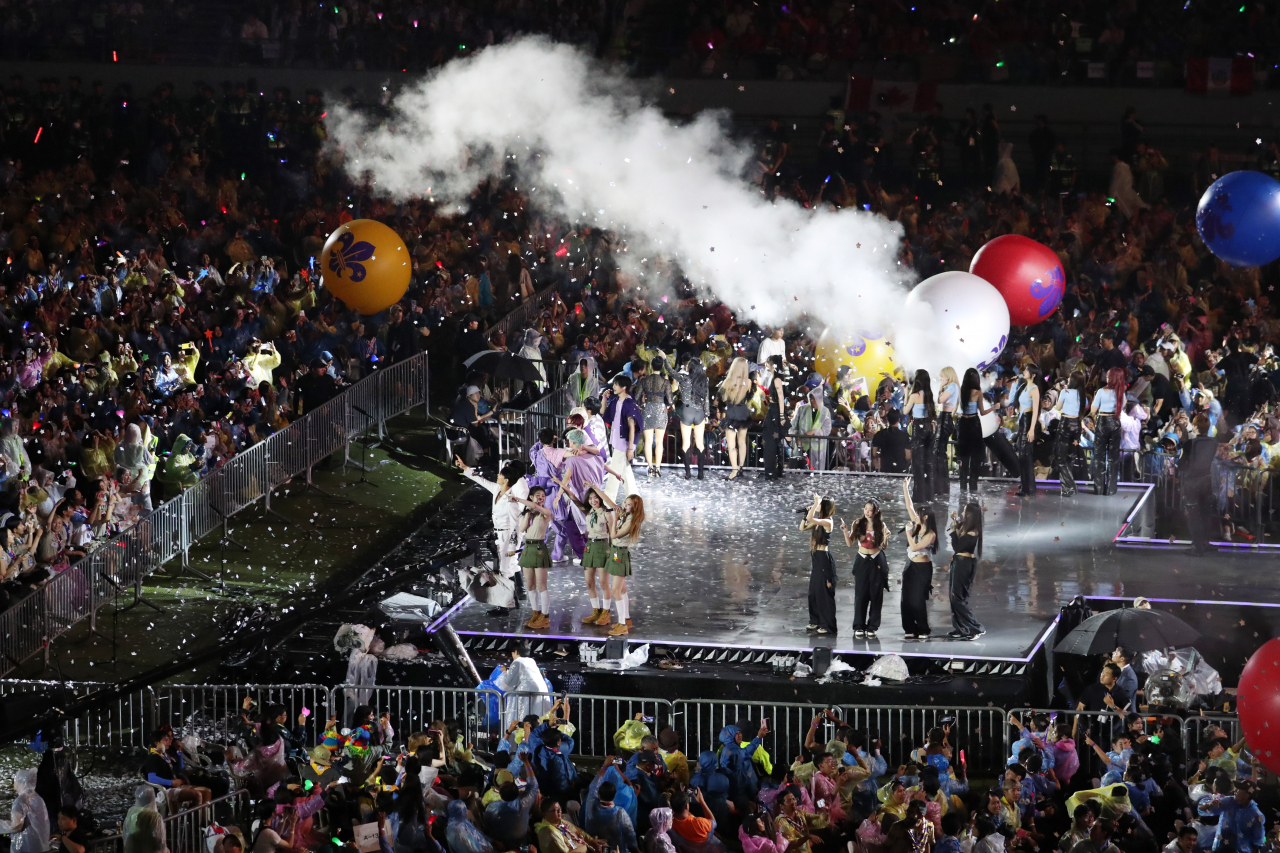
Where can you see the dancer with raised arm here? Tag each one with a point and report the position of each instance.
(917, 575)
(822, 575)
(535, 559)
(595, 508)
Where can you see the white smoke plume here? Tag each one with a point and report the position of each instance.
(605, 158)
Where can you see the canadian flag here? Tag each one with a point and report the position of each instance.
(1214, 76)
(890, 96)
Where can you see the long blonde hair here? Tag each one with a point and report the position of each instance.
(948, 376)
(737, 382)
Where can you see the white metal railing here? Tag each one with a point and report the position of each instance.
(212, 711)
(125, 560)
(185, 831)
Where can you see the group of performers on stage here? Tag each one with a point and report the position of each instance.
(870, 536)
(571, 492)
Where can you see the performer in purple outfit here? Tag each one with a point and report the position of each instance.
(582, 466)
(546, 474)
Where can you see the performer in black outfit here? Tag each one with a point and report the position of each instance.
(948, 408)
(694, 405)
(870, 570)
(1028, 402)
(1195, 474)
(966, 542)
(917, 575)
(920, 405)
(775, 416)
(1066, 447)
(822, 577)
(969, 445)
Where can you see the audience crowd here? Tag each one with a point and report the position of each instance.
(1108, 781)
(1052, 42)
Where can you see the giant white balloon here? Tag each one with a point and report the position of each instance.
(970, 318)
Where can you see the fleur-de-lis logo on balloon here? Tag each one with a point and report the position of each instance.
(1210, 219)
(995, 353)
(857, 342)
(348, 256)
(1048, 289)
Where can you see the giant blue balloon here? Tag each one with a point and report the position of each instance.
(1239, 218)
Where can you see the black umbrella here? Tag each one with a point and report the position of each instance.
(505, 365)
(1142, 630)
(1135, 628)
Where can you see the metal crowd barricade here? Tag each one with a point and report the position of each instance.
(476, 714)
(1195, 740)
(702, 720)
(125, 722)
(185, 831)
(212, 711)
(125, 560)
(597, 718)
(981, 732)
(521, 314)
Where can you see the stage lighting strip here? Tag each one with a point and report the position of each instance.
(580, 638)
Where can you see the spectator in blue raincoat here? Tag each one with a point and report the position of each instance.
(735, 760)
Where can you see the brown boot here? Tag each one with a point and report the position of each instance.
(603, 618)
(533, 620)
(591, 619)
(544, 621)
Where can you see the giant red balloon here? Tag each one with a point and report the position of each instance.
(1258, 704)
(1027, 274)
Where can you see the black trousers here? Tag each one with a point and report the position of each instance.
(1066, 453)
(822, 591)
(1106, 456)
(870, 580)
(963, 571)
(941, 444)
(773, 457)
(970, 450)
(922, 458)
(1026, 455)
(917, 583)
(1202, 511)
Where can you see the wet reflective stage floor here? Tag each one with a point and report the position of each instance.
(723, 563)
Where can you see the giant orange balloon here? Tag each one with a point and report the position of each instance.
(366, 265)
(867, 353)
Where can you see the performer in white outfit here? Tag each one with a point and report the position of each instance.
(500, 591)
(523, 676)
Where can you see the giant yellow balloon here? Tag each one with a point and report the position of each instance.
(867, 353)
(366, 265)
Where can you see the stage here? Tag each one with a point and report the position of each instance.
(724, 564)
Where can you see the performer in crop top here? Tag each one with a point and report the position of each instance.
(948, 404)
(966, 542)
(920, 405)
(822, 577)
(917, 575)
(870, 570)
(1066, 447)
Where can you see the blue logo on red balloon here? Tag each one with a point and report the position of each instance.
(1048, 289)
(858, 341)
(348, 256)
